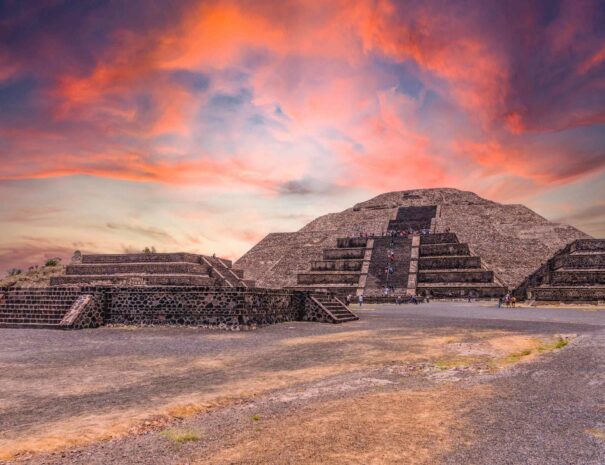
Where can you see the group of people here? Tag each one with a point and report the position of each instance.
(509, 301)
(395, 233)
(399, 299)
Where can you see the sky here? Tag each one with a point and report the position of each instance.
(202, 126)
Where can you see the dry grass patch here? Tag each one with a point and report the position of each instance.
(180, 435)
(407, 427)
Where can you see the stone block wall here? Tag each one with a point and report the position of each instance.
(229, 308)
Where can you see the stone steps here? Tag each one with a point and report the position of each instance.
(140, 258)
(137, 268)
(135, 280)
(35, 308)
(337, 309)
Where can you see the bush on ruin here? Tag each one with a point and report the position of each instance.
(53, 261)
(13, 272)
(149, 250)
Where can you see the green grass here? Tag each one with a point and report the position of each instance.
(180, 436)
(515, 357)
(256, 417)
(558, 344)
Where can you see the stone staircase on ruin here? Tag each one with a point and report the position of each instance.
(334, 309)
(398, 280)
(340, 269)
(446, 269)
(152, 269)
(35, 307)
(574, 274)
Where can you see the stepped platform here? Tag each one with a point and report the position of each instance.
(129, 279)
(576, 273)
(44, 308)
(152, 269)
(446, 269)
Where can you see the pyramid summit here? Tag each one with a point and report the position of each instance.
(472, 244)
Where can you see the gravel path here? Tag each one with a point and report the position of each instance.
(550, 411)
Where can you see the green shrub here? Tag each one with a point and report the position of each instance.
(53, 261)
(13, 272)
(149, 249)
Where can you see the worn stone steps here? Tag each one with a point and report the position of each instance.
(136, 279)
(140, 258)
(567, 276)
(138, 268)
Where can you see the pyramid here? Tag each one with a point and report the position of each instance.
(460, 245)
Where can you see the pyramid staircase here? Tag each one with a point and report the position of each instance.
(574, 274)
(330, 308)
(35, 307)
(377, 278)
(446, 269)
(152, 269)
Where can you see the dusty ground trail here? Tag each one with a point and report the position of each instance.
(438, 383)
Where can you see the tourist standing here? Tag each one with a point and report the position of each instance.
(360, 300)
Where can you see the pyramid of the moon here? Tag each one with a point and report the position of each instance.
(460, 243)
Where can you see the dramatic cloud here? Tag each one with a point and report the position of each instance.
(294, 99)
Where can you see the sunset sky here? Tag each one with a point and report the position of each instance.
(203, 125)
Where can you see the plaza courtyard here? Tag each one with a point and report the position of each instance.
(438, 383)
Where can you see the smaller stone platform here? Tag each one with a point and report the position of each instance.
(574, 274)
(152, 269)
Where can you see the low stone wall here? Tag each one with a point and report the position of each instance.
(229, 308)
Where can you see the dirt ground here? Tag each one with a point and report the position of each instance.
(59, 390)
